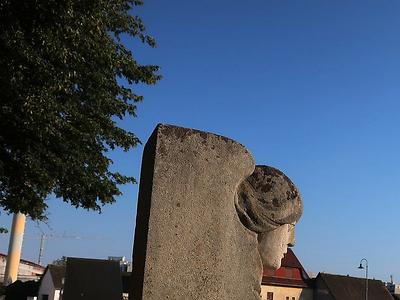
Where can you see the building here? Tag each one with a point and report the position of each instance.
(83, 278)
(393, 288)
(289, 282)
(27, 270)
(52, 283)
(125, 265)
(92, 279)
(332, 287)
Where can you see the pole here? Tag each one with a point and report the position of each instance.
(14, 248)
(366, 275)
(366, 280)
(41, 249)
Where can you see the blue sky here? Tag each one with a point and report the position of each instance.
(310, 87)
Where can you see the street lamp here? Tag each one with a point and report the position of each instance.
(366, 275)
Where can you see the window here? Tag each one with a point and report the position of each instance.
(270, 296)
(293, 298)
(45, 297)
(287, 298)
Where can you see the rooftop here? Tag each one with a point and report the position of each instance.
(291, 273)
(347, 287)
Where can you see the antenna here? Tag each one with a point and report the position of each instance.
(41, 249)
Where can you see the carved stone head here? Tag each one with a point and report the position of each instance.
(269, 204)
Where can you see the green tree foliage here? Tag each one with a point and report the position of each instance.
(65, 78)
(62, 261)
(3, 229)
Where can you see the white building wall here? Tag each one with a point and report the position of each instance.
(56, 294)
(3, 261)
(397, 289)
(280, 293)
(25, 271)
(47, 288)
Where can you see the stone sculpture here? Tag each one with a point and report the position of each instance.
(206, 222)
(269, 204)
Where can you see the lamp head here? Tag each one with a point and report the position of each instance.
(360, 266)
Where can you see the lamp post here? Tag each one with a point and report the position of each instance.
(366, 275)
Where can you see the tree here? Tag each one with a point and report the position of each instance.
(62, 261)
(3, 229)
(65, 79)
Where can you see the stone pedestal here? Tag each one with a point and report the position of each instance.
(189, 242)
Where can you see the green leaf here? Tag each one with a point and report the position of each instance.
(59, 67)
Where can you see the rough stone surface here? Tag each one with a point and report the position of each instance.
(268, 199)
(189, 241)
(269, 204)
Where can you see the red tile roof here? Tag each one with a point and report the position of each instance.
(290, 260)
(291, 273)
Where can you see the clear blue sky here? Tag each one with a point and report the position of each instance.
(310, 87)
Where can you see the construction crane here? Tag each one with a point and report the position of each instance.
(15, 245)
(44, 237)
(50, 236)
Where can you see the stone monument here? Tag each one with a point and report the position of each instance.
(208, 219)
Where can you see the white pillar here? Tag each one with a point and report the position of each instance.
(14, 248)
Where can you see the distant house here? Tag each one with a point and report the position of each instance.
(52, 283)
(289, 282)
(394, 289)
(27, 270)
(92, 279)
(125, 265)
(332, 287)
